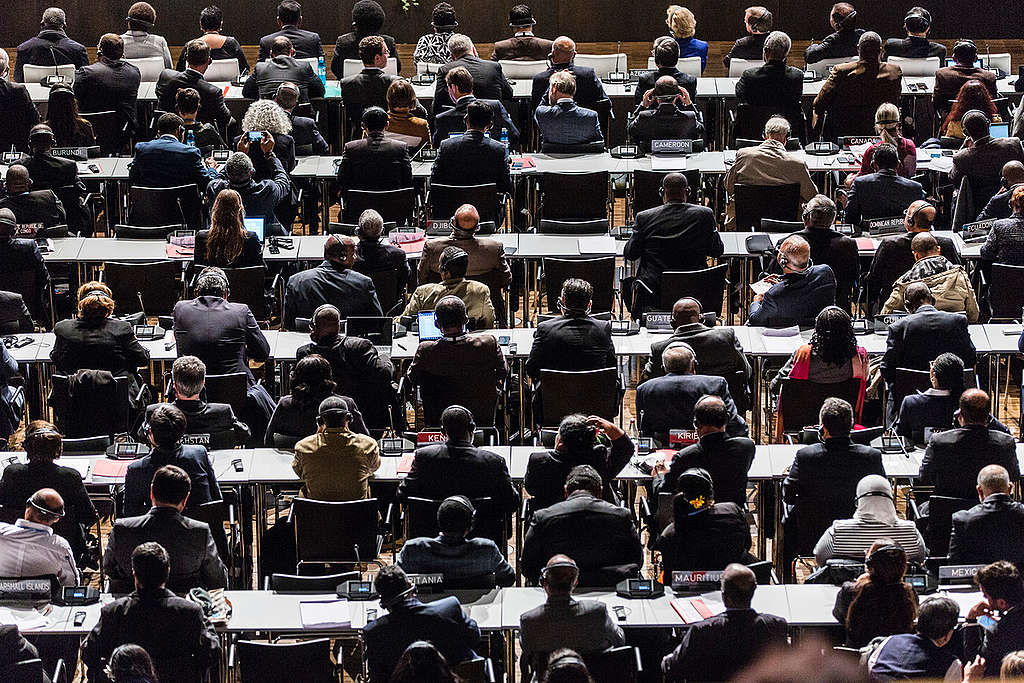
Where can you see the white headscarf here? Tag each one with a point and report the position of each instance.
(875, 501)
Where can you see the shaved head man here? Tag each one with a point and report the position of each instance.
(991, 530)
(949, 282)
(18, 179)
(799, 294)
(563, 50)
(335, 282)
(30, 548)
(32, 206)
(467, 218)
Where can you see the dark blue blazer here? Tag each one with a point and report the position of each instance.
(307, 137)
(42, 49)
(796, 300)
(167, 162)
(193, 459)
(441, 622)
(471, 159)
(223, 335)
(823, 478)
(667, 402)
(919, 338)
(306, 43)
(453, 120)
(588, 86)
(922, 410)
(990, 531)
(880, 195)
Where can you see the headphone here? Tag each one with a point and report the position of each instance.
(400, 596)
(95, 292)
(684, 345)
(141, 22)
(218, 274)
(43, 431)
(464, 503)
(879, 494)
(319, 308)
(287, 85)
(964, 44)
(566, 660)
(564, 563)
(343, 412)
(700, 309)
(921, 14)
(45, 511)
(696, 405)
(700, 477)
(472, 423)
(912, 218)
(870, 560)
(784, 259)
(841, 21)
(41, 130)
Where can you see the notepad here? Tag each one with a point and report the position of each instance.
(25, 618)
(105, 468)
(596, 245)
(325, 614)
(405, 463)
(80, 465)
(692, 610)
(865, 243)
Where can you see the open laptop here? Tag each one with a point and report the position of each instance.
(255, 225)
(428, 329)
(999, 130)
(379, 330)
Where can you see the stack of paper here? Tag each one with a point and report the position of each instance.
(405, 463)
(25, 618)
(692, 610)
(325, 614)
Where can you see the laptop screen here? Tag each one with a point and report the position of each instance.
(376, 329)
(1000, 130)
(254, 225)
(977, 62)
(428, 326)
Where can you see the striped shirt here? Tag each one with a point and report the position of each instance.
(850, 539)
(31, 549)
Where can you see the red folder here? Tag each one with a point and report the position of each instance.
(405, 464)
(110, 469)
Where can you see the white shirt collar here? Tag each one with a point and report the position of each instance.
(523, 33)
(34, 526)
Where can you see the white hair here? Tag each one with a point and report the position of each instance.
(266, 115)
(459, 44)
(821, 206)
(5, 61)
(55, 17)
(777, 45)
(777, 127)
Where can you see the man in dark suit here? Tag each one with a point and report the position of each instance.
(916, 340)
(565, 123)
(831, 248)
(369, 87)
(953, 459)
(194, 558)
(666, 112)
(999, 205)
(758, 22)
(333, 281)
(523, 46)
(453, 120)
(19, 257)
(280, 68)
(666, 403)
(598, 535)
(842, 43)
(799, 294)
(168, 162)
(674, 236)
(489, 83)
(17, 110)
(374, 162)
(949, 79)
(289, 21)
(109, 84)
(883, 193)
(727, 459)
(993, 529)
(589, 90)
(666, 58)
(188, 377)
(167, 426)
(51, 46)
(305, 132)
(851, 94)
(916, 45)
(774, 85)
(982, 158)
(260, 198)
(893, 257)
(822, 481)
(375, 254)
(48, 172)
(211, 100)
(28, 205)
(183, 648)
(457, 467)
(14, 314)
(408, 620)
(717, 648)
(367, 20)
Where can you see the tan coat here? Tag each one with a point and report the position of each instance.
(951, 288)
(485, 256)
(768, 164)
(852, 93)
(336, 465)
(477, 297)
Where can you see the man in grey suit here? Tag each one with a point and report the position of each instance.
(282, 67)
(581, 625)
(563, 122)
(194, 558)
(489, 82)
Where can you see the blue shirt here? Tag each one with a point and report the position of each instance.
(456, 558)
(691, 47)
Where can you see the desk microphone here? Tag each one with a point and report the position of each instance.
(359, 562)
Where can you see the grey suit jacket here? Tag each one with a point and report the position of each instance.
(581, 625)
(194, 558)
(566, 123)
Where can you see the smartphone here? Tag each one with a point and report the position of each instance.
(512, 348)
(503, 340)
(255, 136)
(620, 612)
(371, 615)
(221, 155)
(79, 618)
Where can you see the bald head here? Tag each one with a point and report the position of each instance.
(340, 249)
(738, 586)
(924, 245)
(562, 50)
(666, 86)
(1013, 173)
(993, 479)
(467, 218)
(18, 179)
(674, 186)
(685, 311)
(326, 322)
(45, 506)
(974, 408)
(678, 359)
(797, 252)
(560, 575)
(920, 215)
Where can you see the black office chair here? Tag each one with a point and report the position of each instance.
(755, 202)
(1006, 291)
(445, 199)
(74, 407)
(24, 282)
(419, 519)
(574, 196)
(293, 583)
(88, 444)
(230, 388)
(217, 513)
(111, 129)
(750, 119)
(386, 284)
(392, 205)
(599, 272)
(706, 286)
(329, 533)
(590, 226)
(591, 392)
(306, 660)
(478, 393)
(160, 205)
(940, 522)
(776, 226)
(616, 665)
(479, 670)
(155, 282)
(146, 232)
(800, 401)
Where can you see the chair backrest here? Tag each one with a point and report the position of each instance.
(706, 286)
(592, 226)
(617, 665)
(591, 392)
(940, 522)
(392, 205)
(305, 660)
(574, 196)
(906, 381)
(25, 671)
(230, 388)
(965, 210)
(386, 284)
(214, 513)
(599, 272)
(754, 202)
(354, 66)
(823, 68)
(247, 288)
(34, 73)
(800, 400)
(479, 670)
(150, 67)
(603, 64)
(478, 393)
(24, 282)
(109, 127)
(74, 407)
(420, 519)
(88, 444)
(689, 65)
(445, 199)
(750, 120)
(428, 68)
(162, 205)
(146, 232)
(916, 66)
(524, 69)
(1000, 60)
(327, 531)
(222, 70)
(772, 225)
(155, 282)
(738, 66)
(293, 583)
(1006, 291)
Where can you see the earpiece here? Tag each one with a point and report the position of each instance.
(912, 218)
(45, 511)
(870, 560)
(464, 503)
(321, 307)
(566, 659)
(468, 414)
(388, 604)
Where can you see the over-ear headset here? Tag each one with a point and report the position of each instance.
(965, 44)
(566, 660)
(869, 494)
(464, 503)
(95, 292)
(45, 511)
(684, 345)
(696, 485)
(218, 274)
(343, 412)
(467, 413)
(287, 85)
(140, 22)
(696, 405)
(920, 17)
(870, 560)
(400, 596)
(567, 563)
(321, 307)
(700, 309)
(912, 218)
(841, 21)
(784, 261)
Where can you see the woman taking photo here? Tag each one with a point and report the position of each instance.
(227, 244)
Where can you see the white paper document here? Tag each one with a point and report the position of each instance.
(26, 618)
(668, 162)
(598, 246)
(325, 613)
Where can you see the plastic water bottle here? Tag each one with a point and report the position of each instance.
(190, 138)
(504, 136)
(321, 70)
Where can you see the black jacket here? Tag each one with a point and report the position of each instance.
(194, 558)
(18, 113)
(709, 539)
(375, 257)
(915, 47)
(598, 535)
(353, 293)
(589, 90)
(472, 159)
(727, 459)
(717, 348)
(294, 418)
(489, 82)
(649, 78)
(20, 256)
(916, 340)
(717, 648)
(666, 403)
(193, 459)
(347, 47)
(14, 314)
(45, 47)
(998, 206)
(990, 531)
(842, 43)
(665, 122)
(306, 43)
(546, 471)
(449, 469)
(953, 459)
(307, 137)
(894, 257)
(772, 85)
(362, 90)
(674, 236)
(14, 648)
(211, 99)
(61, 175)
(104, 344)
(796, 300)
(182, 649)
(224, 335)
(207, 418)
(109, 85)
(267, 75)
(747, 47)
(453, 120)
(360, 372)
(37, 206)
(838, 252)
(230, 49)
(167, 162)
(571, 342)
(375, 163)
(881, 194)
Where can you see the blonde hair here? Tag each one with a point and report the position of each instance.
(887, 123)
(95, 300)
(1012, 666)
(681, 21)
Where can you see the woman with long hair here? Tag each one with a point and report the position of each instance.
(227, 244)
(69, 129)
(422, 663)
(879, 602)
(295, 414)
(402, 119)
(887, 125)
(972, 95)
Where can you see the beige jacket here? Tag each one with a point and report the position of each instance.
(477, 297)
(336, 464)
(767, 164)
(951, 288)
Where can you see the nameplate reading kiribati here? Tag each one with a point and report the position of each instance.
(671, 146)
(695, 579)
(430, 437)
(958, 572)
(682, 437)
